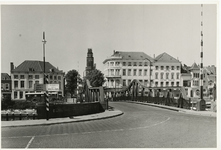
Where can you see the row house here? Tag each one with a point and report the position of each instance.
(5, 85)
(30, 73)
(123, 67)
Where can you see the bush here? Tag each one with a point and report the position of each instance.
(7, 103)
(24, 105)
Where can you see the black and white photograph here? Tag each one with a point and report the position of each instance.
(111, 74)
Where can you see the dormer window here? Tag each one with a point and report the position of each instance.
(51, 70)
(31, 69)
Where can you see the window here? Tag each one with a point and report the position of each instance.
(36, 82)
(117, 63)
(15, 76)
(129, 72)
(124, 72)
(117, 82)
(117, 72)
(55, 82)
(22, 76)
(135, 63)
(162, 67)
(22, 84)
(112, 72)
(167, 83)
(145, 64)
(135, 72)
(172, 67)
(7, 86)
(178, 67)
(15, 94)
(145, 82)
(145, 72)
(172, 75)
(161, 75)
(141, 81)
(124, 63)
(129, 63)
(21, 94)
(156, 67)
(156, 75)
(140, 72)
(51, 77)
(161, 84)
(55, 77)
(16, 84)
(167, 67)
(124, 82)
(112, 82)
(172, 83)
(36, 76)
(59, 77)
(30, 76)
(156, 84)
(129, 81)
(177, 76)
(177, 83)
(30, 84)
(167, 75)
(140, 64)
(111, 63)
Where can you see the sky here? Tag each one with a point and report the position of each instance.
(72, 29)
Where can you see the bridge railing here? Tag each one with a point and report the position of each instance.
(135, 92)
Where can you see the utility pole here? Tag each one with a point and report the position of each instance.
(201, 56)
(46, 97)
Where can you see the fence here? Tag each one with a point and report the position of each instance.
(11, 117)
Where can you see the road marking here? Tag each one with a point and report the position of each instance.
(113, 130)
(29, 143)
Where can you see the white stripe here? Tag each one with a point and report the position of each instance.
(29, 143)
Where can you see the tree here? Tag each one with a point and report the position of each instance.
(96, 78)
(7, 102)
(71, 79)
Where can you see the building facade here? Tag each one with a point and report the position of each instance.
(29, 74)
(6, 88)
(123, 67)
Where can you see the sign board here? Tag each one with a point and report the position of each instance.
(39, 87)
(52, 87)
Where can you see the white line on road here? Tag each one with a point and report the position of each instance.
(29, 143)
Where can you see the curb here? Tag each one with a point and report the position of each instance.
(180, 110)
(66, 121)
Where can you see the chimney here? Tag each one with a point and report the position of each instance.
(114, 51)
(11, 66)
(154, 56)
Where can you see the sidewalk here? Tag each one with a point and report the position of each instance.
(106, 114)
(181, 110)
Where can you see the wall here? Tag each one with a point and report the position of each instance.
(68, 110)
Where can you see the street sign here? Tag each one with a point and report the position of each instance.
(52, 87)
(40, 87)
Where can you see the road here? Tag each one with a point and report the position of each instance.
(140, 126)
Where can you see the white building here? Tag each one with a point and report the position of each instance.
(123, 67)
(30, 73)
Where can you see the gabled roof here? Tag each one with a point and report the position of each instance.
(211, 70)
(35, 66)
(5, 76)
(194, 67)
(164, 57)
(129, 56)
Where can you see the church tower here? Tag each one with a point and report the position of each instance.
(90, 61)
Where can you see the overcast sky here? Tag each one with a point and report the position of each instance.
(72, 29)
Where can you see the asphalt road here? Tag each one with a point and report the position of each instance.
(140, 126)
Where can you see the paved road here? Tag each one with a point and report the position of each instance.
(140, 126)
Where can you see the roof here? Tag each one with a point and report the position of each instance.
(164, 57)
(5, 76)
(35, 66)
(194, 67)
(129, 56)
(211, 70)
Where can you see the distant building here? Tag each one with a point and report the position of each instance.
(5, 85)
(30, 73)
(123, 67)
(191, 80)
(90, 61)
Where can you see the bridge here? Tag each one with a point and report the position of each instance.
(136, 91)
